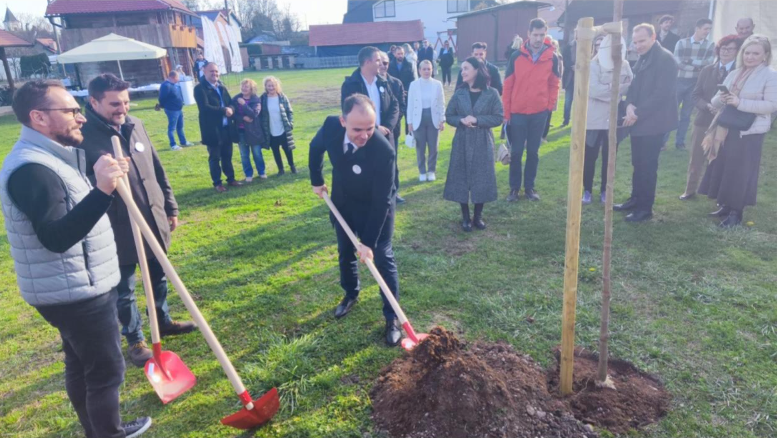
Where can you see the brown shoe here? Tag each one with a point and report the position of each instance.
(235, 184)
(220, 188)
(177, 328)
(139, 353)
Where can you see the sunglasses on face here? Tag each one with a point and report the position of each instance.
(72, 111)
(385, 63)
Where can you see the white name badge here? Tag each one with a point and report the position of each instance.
(139, 147)
(381, 89)
(356, 169)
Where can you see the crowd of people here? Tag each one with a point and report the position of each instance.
(76, 259)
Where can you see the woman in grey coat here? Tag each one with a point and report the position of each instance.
(474, 110)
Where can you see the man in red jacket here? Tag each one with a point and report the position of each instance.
(529, 95)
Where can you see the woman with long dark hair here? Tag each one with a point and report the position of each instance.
(474, 110)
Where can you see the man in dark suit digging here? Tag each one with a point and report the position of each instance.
(364, 193)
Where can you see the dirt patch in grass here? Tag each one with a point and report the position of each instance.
(638, 399)
(445, 388)
(324, 98)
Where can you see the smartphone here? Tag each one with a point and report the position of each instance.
(723, 89)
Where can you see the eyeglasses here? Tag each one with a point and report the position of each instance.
(727, 49)
(73, 111)
(385, 63)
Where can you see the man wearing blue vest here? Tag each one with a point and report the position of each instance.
(64, 252)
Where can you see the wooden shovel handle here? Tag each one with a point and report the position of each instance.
(174, 278)
(147, 287)
(375, 272)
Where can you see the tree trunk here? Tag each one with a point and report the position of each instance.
(616, 56)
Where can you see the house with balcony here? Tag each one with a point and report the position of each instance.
(163, 23)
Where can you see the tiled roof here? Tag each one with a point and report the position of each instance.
(365, 33)
(7, 39)
(65, 7)
(49, 43)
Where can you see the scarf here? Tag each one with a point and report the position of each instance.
(716, 134)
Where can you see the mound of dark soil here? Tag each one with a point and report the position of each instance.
(445, 389)
(637, 400)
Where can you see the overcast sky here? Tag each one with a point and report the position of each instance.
(309, 11)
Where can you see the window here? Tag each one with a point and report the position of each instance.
(384, 9)
(455, 6)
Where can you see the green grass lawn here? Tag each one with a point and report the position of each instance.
(694, 304)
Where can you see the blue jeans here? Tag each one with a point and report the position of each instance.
(246, 162)
(525, 130)
(126, 307)
(176, 122)
(684, 88)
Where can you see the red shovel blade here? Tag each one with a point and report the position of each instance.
(262, 410)
(168, 376)
(413, 338)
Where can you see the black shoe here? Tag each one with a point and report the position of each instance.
(639, 216)
(686, 197)
(136, 427)
(564, 124)
(392, 333)
(281, 172)
(344, 307)
(293, 169)
(177, 328)
(733, 219)
(479, 223)
(626, 206)
(513, 196)
(680, 146)
(532, 195)
(466, 226)
(721, 212)
(399, 200)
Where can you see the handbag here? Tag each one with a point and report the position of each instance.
(732, 118)
(503, 155)
(410, 142)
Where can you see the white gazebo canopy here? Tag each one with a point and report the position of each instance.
(111, 47)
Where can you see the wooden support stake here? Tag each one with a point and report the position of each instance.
(584, 37)
(616, 57)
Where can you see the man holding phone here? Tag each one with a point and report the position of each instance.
(709, 81)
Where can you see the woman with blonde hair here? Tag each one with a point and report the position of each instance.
(277, 122)
(425, 117)
(247, 126)
(734, 142)
(411, 56)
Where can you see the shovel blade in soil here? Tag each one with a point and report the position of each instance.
(168, 376)
(408, 344)
(263, 410)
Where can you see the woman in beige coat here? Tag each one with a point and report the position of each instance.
(598, 111)
(731, 178)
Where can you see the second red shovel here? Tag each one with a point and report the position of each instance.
(167, 373)
(413, 337)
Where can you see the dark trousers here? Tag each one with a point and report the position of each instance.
(684, 88)
(94, 366)
(220, 158)
(568, 105)
(396, 135)
(127, 307)
(280, 141)
(646, 155)
(591, 151)
(548, 125)
(524, 131)
(446, 75)
(383, 256)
